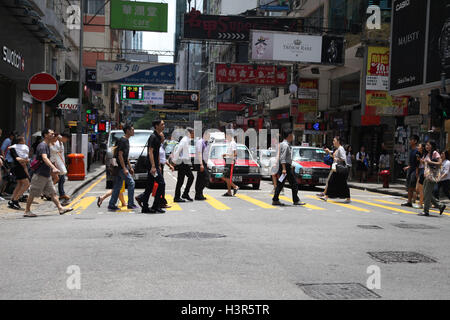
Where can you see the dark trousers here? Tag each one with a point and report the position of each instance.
(61, 181)
(184, 170)
(89, 161)
(289, 177)
(444, 185)
(160, 191)
(200, 183)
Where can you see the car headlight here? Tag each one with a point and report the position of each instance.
(253, 170)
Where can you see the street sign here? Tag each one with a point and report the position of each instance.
(129, 92)
(68, 104)
(141, 16)
(43, 87)
(248, 74)
(179, 101)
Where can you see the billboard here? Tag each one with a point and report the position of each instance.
(247, 74)
(308, 89)
(407, 50)
(179, 101)
(296, 47)
(274, 5)
(139, 16)
(377, 77)
(136, 72)
(233, 28)
(380, 103)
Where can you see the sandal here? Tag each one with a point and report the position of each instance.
(65, 211)
(324, 199)
(99, 202)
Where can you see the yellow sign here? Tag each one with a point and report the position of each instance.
(386, 104)
(72, 123)
(378, 62)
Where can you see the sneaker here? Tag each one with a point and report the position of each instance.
(113, 208)
(417, 206)
(407, 204)
(133, 207)
(2, 199)
(14, 205)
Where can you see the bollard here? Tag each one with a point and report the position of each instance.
(75, 170)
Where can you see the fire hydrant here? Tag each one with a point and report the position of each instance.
(384, 174)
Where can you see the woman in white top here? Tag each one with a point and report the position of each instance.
(56, 156)
(337, 184)
(444, 183)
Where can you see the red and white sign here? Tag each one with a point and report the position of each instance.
(247, 74)
(69, 104)
(230, 107)
(43, 87)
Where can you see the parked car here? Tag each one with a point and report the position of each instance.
(309, 167)
(266, 158)
(169, 146)
(246, 170)
(137, 145)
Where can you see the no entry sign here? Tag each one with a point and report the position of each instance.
(43, 87)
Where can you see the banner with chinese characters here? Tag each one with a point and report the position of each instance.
(247, 74)
(307, 105)
(136, 72)
(377, 77)
(380, 103)
(139, 16)
(221, 106)
(308, 89)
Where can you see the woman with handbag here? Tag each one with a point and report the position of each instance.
(337, 184)
(432, 175)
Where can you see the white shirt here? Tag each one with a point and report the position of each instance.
(182, 151)
(360, 155)
(445, 170)
(231, 148)
(162, 155)
(199, 147)
(22, 150)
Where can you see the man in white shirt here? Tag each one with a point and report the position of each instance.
(201, 152)
(230, 158)
(182, 158)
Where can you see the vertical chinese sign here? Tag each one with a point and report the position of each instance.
(378, 101)
(139, 16)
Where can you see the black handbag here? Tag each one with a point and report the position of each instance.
(143, 162)
(342, 169)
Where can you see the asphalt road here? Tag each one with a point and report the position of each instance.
(256, 251)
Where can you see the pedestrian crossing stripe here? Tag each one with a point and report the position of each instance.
(216, 204)
(399, 204)
(348, 206)
(173, 205)
(255, 202)
(86, 191)
(83, 204)
(309, 206)
(384, 207)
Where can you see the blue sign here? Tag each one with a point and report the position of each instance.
(274, 5)
(316, 126)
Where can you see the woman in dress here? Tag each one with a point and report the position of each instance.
(433, 164)
(57, 158)
(337, 184)
(422, 153)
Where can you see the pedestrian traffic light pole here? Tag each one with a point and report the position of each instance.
(80, 83)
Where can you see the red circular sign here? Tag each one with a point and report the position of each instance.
(43, 87)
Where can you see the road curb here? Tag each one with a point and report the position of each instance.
(85, 183)
(377, 190)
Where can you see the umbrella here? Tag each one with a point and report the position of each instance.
(37, 134)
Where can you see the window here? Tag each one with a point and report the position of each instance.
(309, 155)
(92, 6)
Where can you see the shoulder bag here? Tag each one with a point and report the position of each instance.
(143, 162)
(432, 172)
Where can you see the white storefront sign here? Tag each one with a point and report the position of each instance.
(69, 104)
(152, 97)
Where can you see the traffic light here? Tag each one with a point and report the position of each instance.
(440, 107)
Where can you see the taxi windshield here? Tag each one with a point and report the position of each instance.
(218, 151)
(308, 154)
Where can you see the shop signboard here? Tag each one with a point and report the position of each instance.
(407, 50)
(139, 16)
(130, 72)
(68, 104)
(296, 47)
(179, 101)
(377, 77)
(222, 106)
(307, 105)
(308, 89)
(271, 5)
(381, 103)
(152, 97)
(248, 74)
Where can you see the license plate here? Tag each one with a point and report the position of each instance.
(323, 180)
(237, 178)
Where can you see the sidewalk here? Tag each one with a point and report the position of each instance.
(72, 188)
(395, 189)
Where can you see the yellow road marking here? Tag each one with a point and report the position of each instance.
(87, 190)
(345, 205)
(309, 206)
(255, 202)
(399, 204)
(384, 207)
(216, 203)
(83, 205)
(173, 206)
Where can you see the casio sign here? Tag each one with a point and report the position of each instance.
(13, 58)
(402, 5)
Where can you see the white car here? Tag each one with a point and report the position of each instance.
(266, 159)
